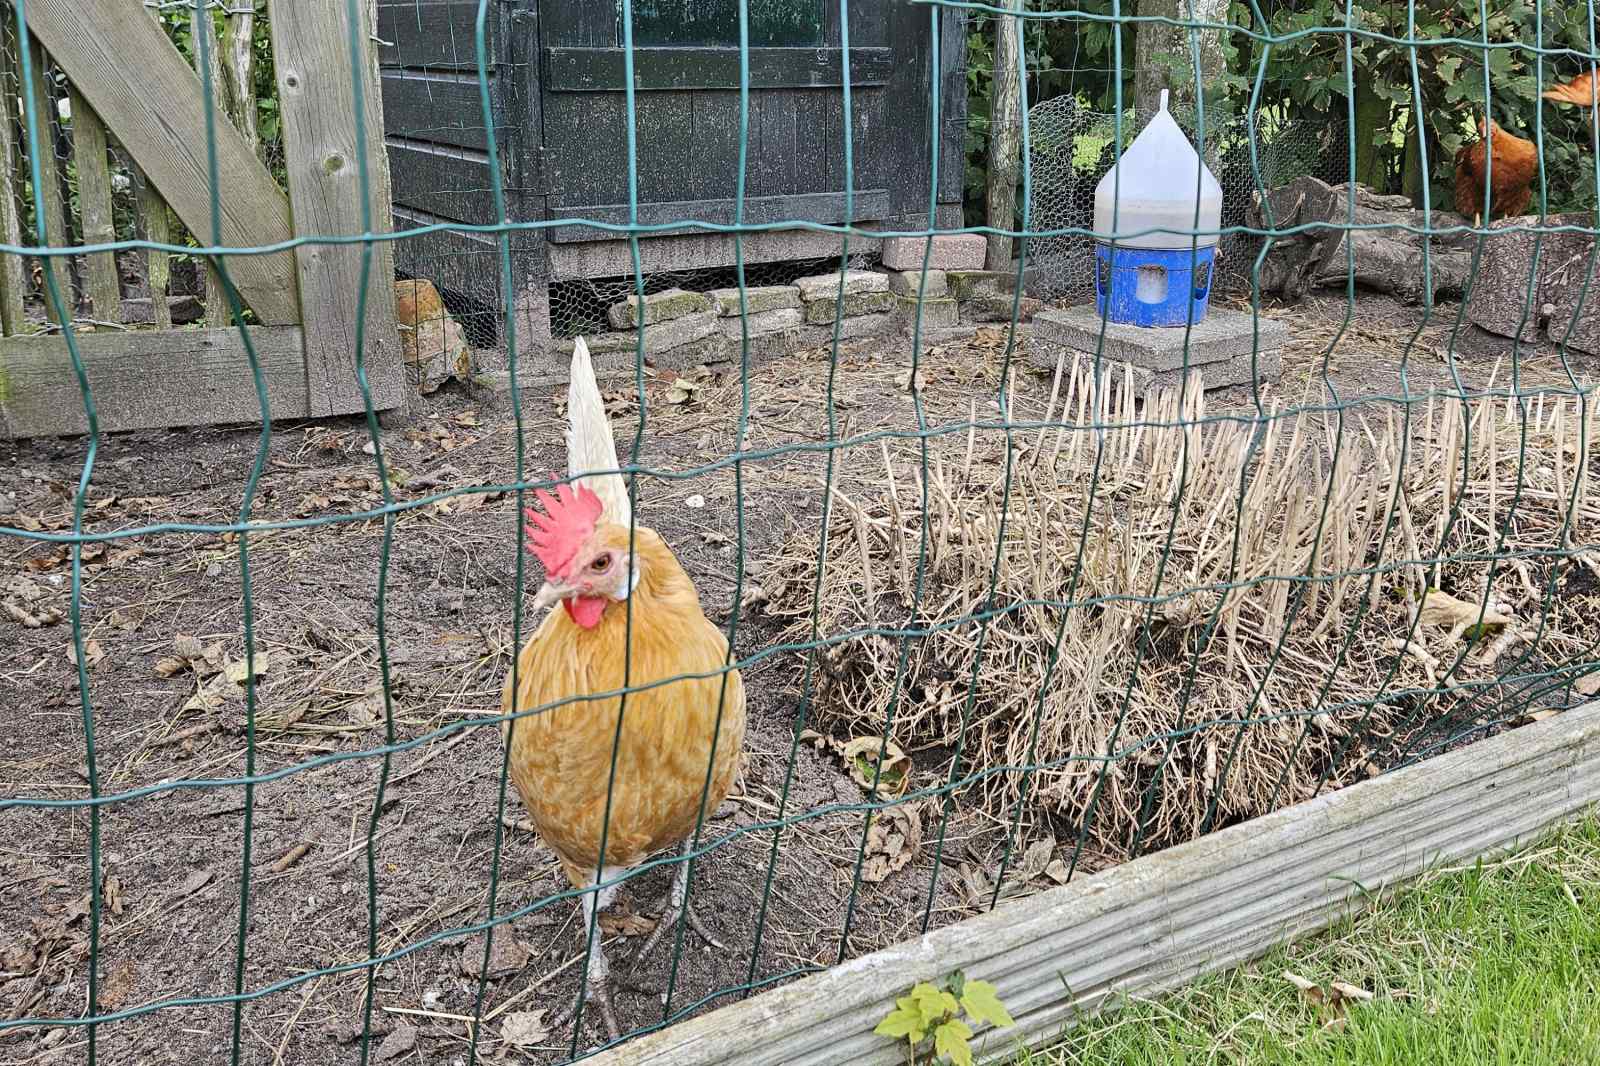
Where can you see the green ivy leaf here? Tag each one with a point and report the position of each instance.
(983, 1005)
(951, 1041)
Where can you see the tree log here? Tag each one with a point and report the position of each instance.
(1386, 260)
(1557, 308)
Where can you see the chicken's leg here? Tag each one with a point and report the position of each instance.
(675, 908)
(597, 977)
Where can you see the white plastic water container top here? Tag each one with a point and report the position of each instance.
(1156, 189)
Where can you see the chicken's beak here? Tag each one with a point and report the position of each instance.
(551, 593)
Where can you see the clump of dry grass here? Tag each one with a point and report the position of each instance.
(1183, 611)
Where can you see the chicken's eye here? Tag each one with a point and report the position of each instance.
(601, 565)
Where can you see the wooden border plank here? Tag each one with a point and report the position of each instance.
(822, 207)
(47, 197)
(311, 56)
(159, 117)
(1166, 919)
(144, 379)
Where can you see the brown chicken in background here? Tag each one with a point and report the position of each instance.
(1580, 91)
(682, 728)
(1515, 165)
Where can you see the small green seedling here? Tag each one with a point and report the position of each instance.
(934, 1012)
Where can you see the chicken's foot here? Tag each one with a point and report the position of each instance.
(675, 908)
(597, 976)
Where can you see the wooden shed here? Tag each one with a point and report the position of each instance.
(556, 93)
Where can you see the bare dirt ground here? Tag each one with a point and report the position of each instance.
(163, 619)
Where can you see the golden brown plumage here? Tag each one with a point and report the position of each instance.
(1579, 90)
(628, 617)
(561, 758)
(1515, 165)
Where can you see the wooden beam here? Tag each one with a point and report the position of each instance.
(145, 379)
(823, 207)
(13, 268)
(47, 197)
(154, 106)
(581, 70)
(89, 154)
(1166, 919)
(311, 55)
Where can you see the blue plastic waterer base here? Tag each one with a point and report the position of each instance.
(1151, 286)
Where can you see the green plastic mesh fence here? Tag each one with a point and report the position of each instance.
(1009, 608)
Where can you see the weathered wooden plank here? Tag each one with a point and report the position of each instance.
(47, 197)
(467, 264)
(154, 224)
(159, 118)
(434, 35)
(89, 155)
(578, 70)
(13, 268)
(772, 127)
(452, 183)
(311, 55)
(437, 108)
(211, 83)
(1160, 921)
(239, 72)
(143, 379)
(824, 207)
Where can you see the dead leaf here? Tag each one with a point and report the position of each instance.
(92, 653)
(893, 840)
(524, 1028)
(193, 883)
(1310, 990)
(1459, 616)
(116, 986)
(170, 665)
(1351, 992)
(861, 760)
(397, 1043)
(507, 955)
(1036, 858)
(1588, 684)
(1057, 871)
(111, 894)
(187, 647)
(241, 671)
(622, 920)
(1539, 716)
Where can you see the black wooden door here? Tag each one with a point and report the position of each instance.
(686, 76)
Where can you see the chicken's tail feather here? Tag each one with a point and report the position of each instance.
(1579, 90)
(590, 445)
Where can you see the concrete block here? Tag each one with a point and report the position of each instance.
(756, 300)
(1223, 335)
(965, 284)
(781, 318)
(908, 282)
(658, 307)
(857, 303)
(826, 286)
(714, 348)
(871, 325)
(996, 307)
(936, 314)
(1267, 366)
(951, 251)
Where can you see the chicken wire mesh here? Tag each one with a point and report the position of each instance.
(1072, 148)
(1144, 632)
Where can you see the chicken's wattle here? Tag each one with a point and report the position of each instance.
(585, 610)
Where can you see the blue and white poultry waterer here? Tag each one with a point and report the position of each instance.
(1160, 278)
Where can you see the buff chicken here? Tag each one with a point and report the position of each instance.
(1514, 166)
(682, 723)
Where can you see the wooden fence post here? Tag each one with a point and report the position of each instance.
(311, 56)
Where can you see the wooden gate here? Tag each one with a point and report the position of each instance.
(110, 83)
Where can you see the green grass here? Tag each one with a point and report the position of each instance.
(1494, 964)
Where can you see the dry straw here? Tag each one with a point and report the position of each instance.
(1204, 573)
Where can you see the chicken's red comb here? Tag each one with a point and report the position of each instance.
(568, 519)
